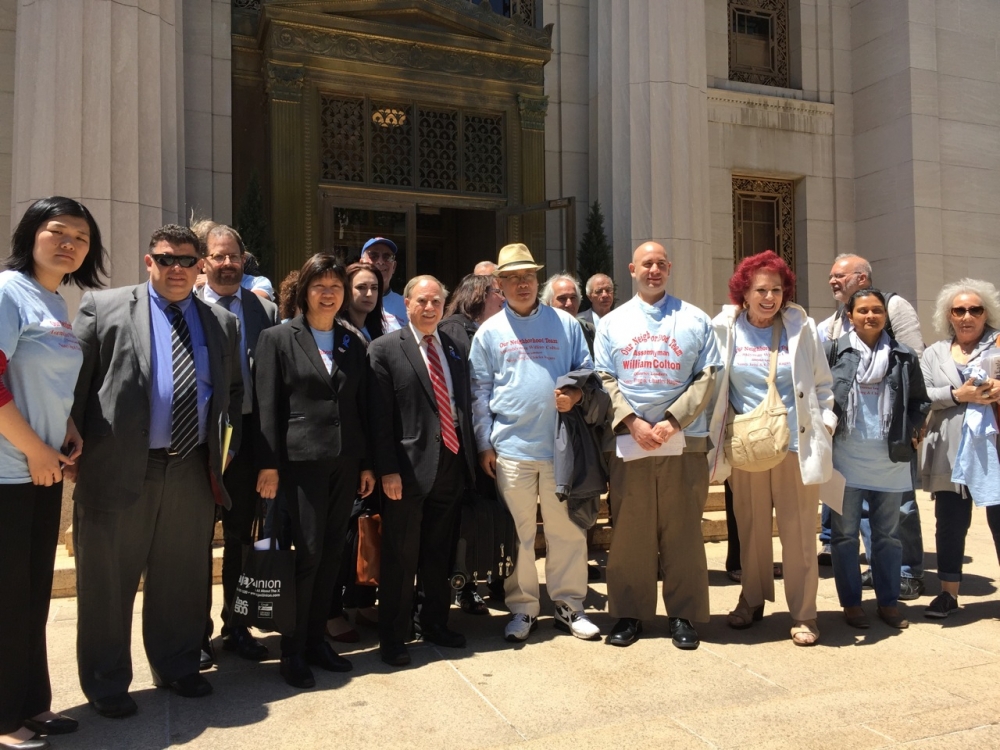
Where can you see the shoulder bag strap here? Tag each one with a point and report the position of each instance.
(776, 329)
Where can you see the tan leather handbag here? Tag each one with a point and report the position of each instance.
(758, 441)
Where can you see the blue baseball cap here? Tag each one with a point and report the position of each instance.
(380, 241)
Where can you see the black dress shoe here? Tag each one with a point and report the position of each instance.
(441, 636)
(395, 656)
(472, 603)
(324, 657)
(35, 743)
(188, 686)
(625, 632)
(593, 573)
(296, 672)
(244, 644)
(207, 660)
(115, 706)
(58, 725)
(683, 634)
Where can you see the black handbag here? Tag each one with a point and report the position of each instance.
(265, 592)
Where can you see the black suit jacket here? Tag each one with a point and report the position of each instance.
(259, 315)
(306, 413)
(405, 422)
(111, 407)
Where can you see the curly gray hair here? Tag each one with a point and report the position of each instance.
(982, 289)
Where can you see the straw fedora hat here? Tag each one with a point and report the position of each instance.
(516, 257)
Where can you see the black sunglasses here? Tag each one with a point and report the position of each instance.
(165, 260)
(975, 312)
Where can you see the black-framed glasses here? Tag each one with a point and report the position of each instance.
(165, 260)
(975, 311)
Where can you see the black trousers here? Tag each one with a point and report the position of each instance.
(954, 516)
(29, 532)
(418, 536)
(732, 533)
(319, 496)
(161, 538)
(347, 593)
(237, 522)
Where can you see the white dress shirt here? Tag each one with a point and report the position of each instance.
(443, 357)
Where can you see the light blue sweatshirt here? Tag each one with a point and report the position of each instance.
(515, 362)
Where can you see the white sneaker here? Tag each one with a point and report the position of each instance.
(575, 622)
(520, 627)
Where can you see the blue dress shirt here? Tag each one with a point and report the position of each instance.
(162, 368)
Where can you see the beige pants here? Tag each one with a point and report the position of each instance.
(657, 504)
(795, 507)
(523, 484)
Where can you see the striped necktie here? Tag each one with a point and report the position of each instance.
(184, 409)
(448, 434)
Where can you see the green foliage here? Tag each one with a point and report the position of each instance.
(251, 223)
(595, 250)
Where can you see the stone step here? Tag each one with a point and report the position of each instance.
(64, 575)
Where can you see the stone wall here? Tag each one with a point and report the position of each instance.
(567, 130)
(208, 129)
(8, 24)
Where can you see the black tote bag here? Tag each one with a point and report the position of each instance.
(265, 592)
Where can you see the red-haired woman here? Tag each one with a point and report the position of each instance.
(760, 290)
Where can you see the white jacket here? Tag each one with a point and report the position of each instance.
(813, 390)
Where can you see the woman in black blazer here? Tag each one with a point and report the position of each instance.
(312, 392)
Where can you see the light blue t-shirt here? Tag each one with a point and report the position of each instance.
(750, 368)
(515, 362)
(863, 457)
(324, 342)
(394, 305)
(43, 361)
(261, 283)
(654, 352)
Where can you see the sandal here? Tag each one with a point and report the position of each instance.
(743, 616)
(805, 633)
(339, 629)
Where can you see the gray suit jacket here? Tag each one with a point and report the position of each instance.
(587, 316)
(111, 405)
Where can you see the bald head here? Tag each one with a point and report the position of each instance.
(848, 274)
(650, 268)
(484, 268)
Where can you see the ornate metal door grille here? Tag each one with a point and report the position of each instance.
(342, 139)
(763, 218)
(377, 143)
(437, 149)
(391, 127)
(758, 42)
(484, 154)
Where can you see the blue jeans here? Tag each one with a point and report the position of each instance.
(910, 535)
(885, 555)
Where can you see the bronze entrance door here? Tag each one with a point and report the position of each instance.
(443, 241)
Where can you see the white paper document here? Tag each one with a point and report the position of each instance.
(628, 450)
(832, 492)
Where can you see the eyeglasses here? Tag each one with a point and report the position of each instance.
(519, 278)
(975, 311)
(380, 257)
(165, 260)
(603, 290)
(842, 276)
(221, 258)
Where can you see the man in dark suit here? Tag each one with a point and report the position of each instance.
(159, 381)
(421, 421)
(224, 272)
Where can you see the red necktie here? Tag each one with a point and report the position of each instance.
(436, 372)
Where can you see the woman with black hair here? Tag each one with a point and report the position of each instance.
(880, 402)
(57, 241)
(312, 391)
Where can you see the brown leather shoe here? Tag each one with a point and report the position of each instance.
(856, 617)
(891, 617)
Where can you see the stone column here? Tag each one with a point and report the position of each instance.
(98, 116)
(284, 90)
(532, 111)
(659, 137)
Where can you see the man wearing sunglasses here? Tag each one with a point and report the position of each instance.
(848, 274)
(159, 385)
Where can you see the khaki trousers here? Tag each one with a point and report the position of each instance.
(795, 507)
(657, 504)
(523, 484)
